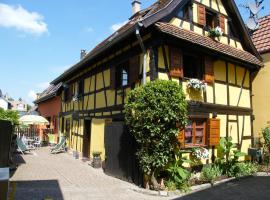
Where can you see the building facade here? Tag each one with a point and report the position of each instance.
(261, 39)
(49, 107)
(169, 40)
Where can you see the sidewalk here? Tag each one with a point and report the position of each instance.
(45, 176)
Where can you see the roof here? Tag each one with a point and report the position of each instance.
(261, 37)
(50, 92)
(146, 18)
(208, 43)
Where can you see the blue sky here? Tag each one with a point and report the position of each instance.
(40, 39)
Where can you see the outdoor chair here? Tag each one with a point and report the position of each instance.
(21, 146)
(60, 147)
(37, 143)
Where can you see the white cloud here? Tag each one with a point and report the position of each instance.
(32, 95)
(116, 26)
(19, 18)
(43, 85)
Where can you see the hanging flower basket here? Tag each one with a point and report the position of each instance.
(76, 97)
(200, 153)
(196, 85)
(215, 32)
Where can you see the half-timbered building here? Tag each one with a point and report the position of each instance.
(168, 40)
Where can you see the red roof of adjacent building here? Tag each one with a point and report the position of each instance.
(261, 37)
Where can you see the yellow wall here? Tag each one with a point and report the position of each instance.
(261, 99)
(97, 137)
(218, 7)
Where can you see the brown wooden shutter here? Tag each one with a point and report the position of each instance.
(112, 77)
(222, 23)
(201, 15)
(181, 138)
(134, 68)
(209, 69)
(176, 60)
(213, 128)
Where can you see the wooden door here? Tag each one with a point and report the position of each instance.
(86, 138)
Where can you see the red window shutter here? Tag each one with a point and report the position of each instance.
(209, 69)
(222, 23)
(181, 138)
(134, 69)
(112, 77)
(201, 15)
(176, 60)
(213, 128)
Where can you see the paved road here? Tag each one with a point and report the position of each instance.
(45, 176)
(252, 188)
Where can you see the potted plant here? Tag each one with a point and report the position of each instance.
(96, 159)
(215, 32)
(196, 85)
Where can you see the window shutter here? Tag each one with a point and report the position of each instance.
(112, 77)
(134, 67)
(213, 132)
(176, 58)
(222, 23)
(201, 15)
(181, 138)
(208, 70)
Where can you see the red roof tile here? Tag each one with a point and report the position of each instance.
(261, 37)
(207, 42)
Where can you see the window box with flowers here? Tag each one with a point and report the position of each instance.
(196, 84)
(215, 32)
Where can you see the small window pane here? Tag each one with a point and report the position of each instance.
(188, 133)
(199, 132)
(124, 77)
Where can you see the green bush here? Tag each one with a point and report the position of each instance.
(152, 112)
(210, 173)
(244, 169)
(266, 137)
(9, 115)
(177, 172)
(227, 157)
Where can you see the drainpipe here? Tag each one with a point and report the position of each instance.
(143, 50)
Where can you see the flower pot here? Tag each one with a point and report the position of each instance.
(76, 154)
(97, 163)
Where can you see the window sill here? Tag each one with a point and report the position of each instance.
(190, 146)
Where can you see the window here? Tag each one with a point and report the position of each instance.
(184, 13)
(80, 87)
(193, 67)
(195, 133)
(68, 93)
(211, 20)
(122, 75)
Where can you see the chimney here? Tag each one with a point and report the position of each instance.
(136, 6)
(83, 53)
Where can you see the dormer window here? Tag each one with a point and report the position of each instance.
(211, 20)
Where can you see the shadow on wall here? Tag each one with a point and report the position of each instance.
(250, 188)
(33, 190)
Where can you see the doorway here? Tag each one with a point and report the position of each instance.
(87, 138)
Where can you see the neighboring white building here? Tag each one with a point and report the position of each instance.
(3, 102)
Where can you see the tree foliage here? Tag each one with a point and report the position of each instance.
(152, 112)
(9, 115)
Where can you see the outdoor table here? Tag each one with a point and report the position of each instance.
(4, 181)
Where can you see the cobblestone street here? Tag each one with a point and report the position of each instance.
(45, 176)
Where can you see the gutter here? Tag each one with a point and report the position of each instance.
(138, 26)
